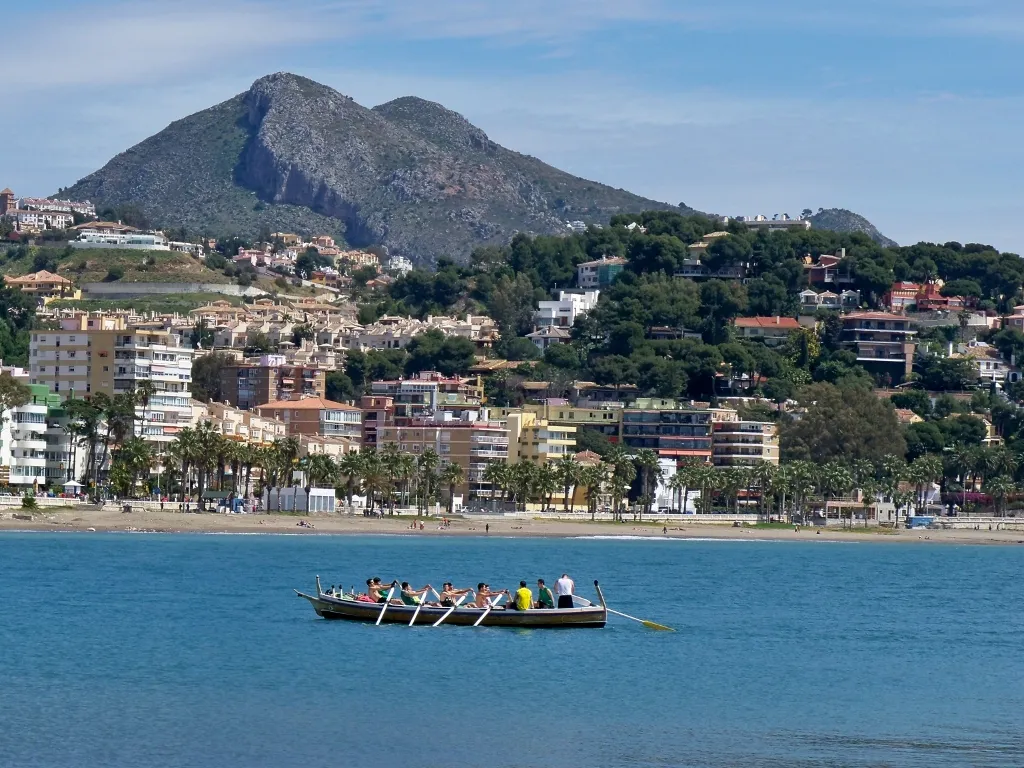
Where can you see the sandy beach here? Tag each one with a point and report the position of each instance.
(111, 518)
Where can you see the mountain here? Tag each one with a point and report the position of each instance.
(291, 154)
(842, 220)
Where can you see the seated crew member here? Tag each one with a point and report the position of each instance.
(544, 597)
(450, 595)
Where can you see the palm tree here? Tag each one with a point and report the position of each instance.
(452, 474)
(350, 467)
(406, 473)
(320, 470)
(869, 488)
(923, 471)
(650, 473)
(568, 470)
(375, 478)
(130, 461)
(835, 480)
(497, 474)
(593, 478)
(206, 447)
(676, 484)
(546, 483)
(781, 482)
(999, 487)
(763, 473)
(522, 482)
(181, 450)
(802, 477)
(428, 464)
(391, 461)
(623, 475)
(142, 395)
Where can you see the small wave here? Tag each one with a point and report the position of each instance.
(630, 537)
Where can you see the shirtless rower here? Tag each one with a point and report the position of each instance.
(450, 595)
(484, 595)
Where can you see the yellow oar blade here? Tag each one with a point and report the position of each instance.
(654, 625)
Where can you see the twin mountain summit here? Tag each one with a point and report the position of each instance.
(291, 154)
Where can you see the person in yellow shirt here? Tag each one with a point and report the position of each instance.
(524, 597)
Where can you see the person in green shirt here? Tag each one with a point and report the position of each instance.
(412, 596)
(544, 597)
(524, 597)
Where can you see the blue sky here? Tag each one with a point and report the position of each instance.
(910, 112)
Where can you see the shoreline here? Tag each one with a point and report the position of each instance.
(112, 520)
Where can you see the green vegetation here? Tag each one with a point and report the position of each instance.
(94, 265)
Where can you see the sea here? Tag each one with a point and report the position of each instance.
(193, 651)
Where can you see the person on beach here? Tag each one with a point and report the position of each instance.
(524, 597)
(484, 594)
(410, 596)
(450, 595)
(564, 588)
(544, 597)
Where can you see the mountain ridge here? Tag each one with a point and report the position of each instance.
(291, 153)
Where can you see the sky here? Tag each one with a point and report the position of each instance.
(909, 112)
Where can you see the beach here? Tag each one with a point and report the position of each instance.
(111, 519)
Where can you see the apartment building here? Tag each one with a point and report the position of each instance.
(538, 440)
(883, 343)
(248, 385)
(316, 416)
(23, 442)
(472, 443)
(429, 392)
(240, 425)
(604, 420)
(599, 273)
(668, 428)
(739, 443)
(378, 411)
(99, 353)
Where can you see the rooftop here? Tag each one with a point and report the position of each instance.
(787, 323)
(307, 404)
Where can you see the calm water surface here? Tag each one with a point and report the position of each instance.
(193, 652)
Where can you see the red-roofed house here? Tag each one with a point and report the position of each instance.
(771, 330)
(316, 416)
(930, 299)
(901, 296)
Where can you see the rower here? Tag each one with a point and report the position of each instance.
(484, 593)
(450, 595)
(414, 597)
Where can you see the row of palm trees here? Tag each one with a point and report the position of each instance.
(200, 458)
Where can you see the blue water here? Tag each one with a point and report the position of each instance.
(193, 652)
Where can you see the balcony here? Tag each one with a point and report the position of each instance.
(489, 453)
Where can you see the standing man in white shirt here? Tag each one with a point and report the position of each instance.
(564, 588)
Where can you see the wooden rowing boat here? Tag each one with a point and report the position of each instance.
(330, 607)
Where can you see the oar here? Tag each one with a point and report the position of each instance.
(488, 609)
(420, 605)
(440, 621)
(386, 602)
(650, 624)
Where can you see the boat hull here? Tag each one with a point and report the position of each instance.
(592, 617)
